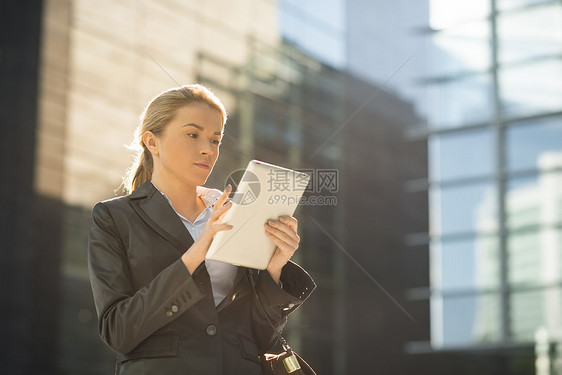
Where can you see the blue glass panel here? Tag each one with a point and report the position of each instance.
(466, 264)
(463, 48)
(535, 32)
(535, 201)
(535, 257)
(462, 209)
(465, 320)
(458, 102)
(461, 155)
(447, 13)
(531, 88)
(533, 310)
(514, 4)
(535, 145)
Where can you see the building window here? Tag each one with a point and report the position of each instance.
(495, 143)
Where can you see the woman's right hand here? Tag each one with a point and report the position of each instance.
(195, 255)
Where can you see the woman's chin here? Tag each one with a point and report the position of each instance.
(199, 181)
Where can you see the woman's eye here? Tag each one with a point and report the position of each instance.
(213, 141)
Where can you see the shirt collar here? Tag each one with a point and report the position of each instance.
(208, 195)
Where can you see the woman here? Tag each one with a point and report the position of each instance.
(160, 305)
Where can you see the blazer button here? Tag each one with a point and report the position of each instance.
(211, 330)
(234, 296)
(169, 312)
(175, 308)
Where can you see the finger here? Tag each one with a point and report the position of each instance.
(224, 207)
(220, 227)
(285, 228)
(224, 196)
(210, 231)
(220, 211)
(290, 221)
(287, 250)
(220, 218)
(291, 239)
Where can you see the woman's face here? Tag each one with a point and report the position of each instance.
(189, 145)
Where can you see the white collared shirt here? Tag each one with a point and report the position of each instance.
(222, 274)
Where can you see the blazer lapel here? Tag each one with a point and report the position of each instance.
(155, 210)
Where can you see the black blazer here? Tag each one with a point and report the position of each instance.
(162, 320)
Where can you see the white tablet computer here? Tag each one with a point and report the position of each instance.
(264, 192)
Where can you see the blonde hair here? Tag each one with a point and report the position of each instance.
(157, 114)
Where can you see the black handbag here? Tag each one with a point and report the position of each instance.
(286, 362)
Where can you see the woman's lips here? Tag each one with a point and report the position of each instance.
(203, 165)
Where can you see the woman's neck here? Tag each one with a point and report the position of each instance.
(183, 197)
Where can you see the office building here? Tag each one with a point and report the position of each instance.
(80, 74)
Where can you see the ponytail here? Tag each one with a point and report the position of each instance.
(140, 172)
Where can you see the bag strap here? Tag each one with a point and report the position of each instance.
(304, 368)
(279, 337)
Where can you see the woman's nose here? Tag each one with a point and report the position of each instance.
(206, 148)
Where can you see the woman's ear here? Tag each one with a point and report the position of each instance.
(151, 142)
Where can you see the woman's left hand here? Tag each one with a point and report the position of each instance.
(283, 233)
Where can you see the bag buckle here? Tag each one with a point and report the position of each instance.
(291, 363)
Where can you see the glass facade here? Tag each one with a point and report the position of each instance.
(317, 27)
(495, 160)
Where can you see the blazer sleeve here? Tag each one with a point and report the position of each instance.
(279, 301)
(127, 316)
